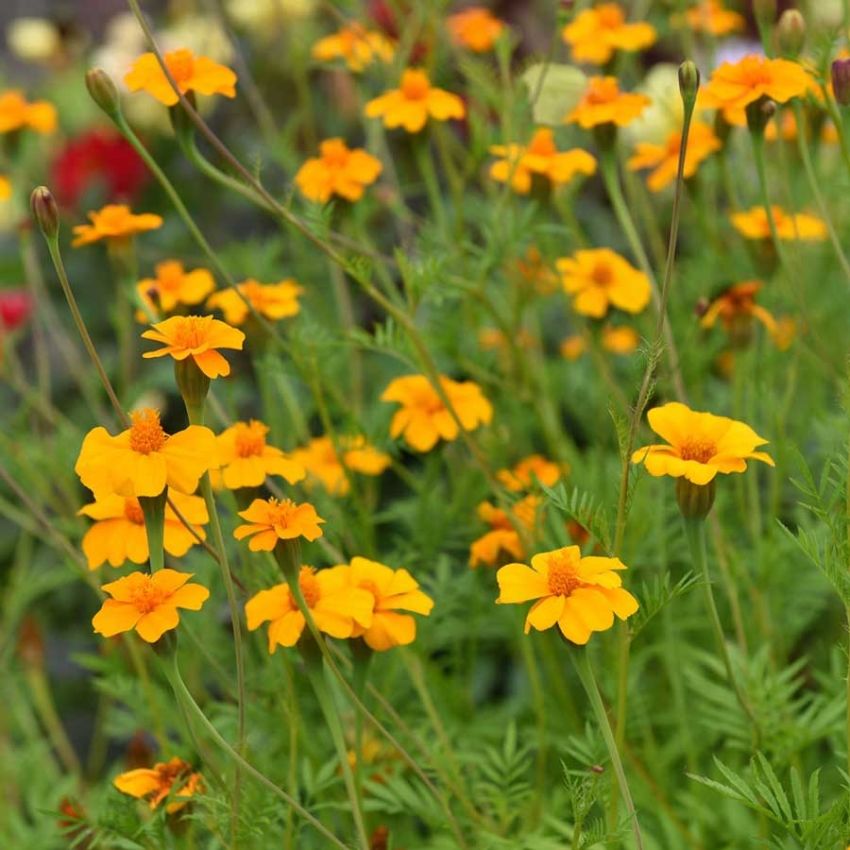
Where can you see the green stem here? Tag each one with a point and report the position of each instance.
(422, 152)
(153, 509)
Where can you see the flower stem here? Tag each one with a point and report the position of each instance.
(153, 509)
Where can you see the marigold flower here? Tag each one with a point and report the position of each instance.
(336, 607)
(595, 34)
(198, 337)
(355, 45)
(530, 470)
(581, 595)
(700, 444)
(16, 113)
(702, 142)
(599, 278)
(710, 16)
(620, 339)
(476, 28)
(327, 466)
(754, 224)
(424, 419)
(573, 347)
(114, 222)
(273, 301)
(604, 103)
(118, 534)
(148, 604)
(415, 100)
(542, 157)
(165, 779)
(143, 460)
(173, 287)
(246, 459)
(503, 539)
(191, 73)
(270, 520)
(736, 307)
(338, 170)
(493, 339)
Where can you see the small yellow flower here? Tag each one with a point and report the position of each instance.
(198, 338)
(414, 102)
(530, 470)
(174, 287)
(327, 466)
(604, 103)
(597, 33)
(620, 339)
(754, 224)
(664, 159)
(16, 113)
(191, 73)
(599, 279)
(476, 28)
(736, 308)
(246, 459)
(269, 520)
(356, 46)
(172, 778)
(338, 170)
(573, 347)
(115, 223)
(273, 301)
(712, 17)
(503, 540)
(5, 188)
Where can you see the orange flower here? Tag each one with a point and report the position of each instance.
(148, 604)
(619, 339)
(599, 279)
(246, 459)
(503, 540)
(324, 464)
(530, 470)
(174, 777)
(114, 222)
(736, 307)
(665, 158)
(476, 28)
(541, 157)
(143, 460)
(424, 419)
(273, 301)
(118, 534)
(711, 17)
(270, 520)
(754, 224)
(338, 170)
(335, 606)
(354, 44)
(573, 347)
(16, 113)
(493, 339)
(595, 34)
(415, 100)
(173, 287)
(198, 337)
(604, 103)
(581, 595)
(190, 72)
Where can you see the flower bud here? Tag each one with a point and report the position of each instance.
(841, 81)
(688, 84)
(103, 91)
(45, 211)
(694, 500)
(759, 113)
(791, 33)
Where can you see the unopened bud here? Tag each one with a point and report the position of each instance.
(45, 211)
(759, 113)
(694, 500)
(103, 91)
(193, 385)
(791, 33)
(841, 81)
(688, 84)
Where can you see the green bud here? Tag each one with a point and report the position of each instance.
(791, 33)
(194, 386)
(45, 211)
(103, 91)
(688, 84)
(694, 500)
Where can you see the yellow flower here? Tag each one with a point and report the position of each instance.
(476, 28)
(198, 337)
(173, 287)
(355, 45)
(174, 777)
(148, 604)
(604, 103)
(114, 222)
(754, 224)
(191, 73)
(324, 464)
(269, 520)
(415, 101)
(736, 308)
(5, 188)
(541, 157)
(573, 347)
(246, 459)
(16, 113)
(581, 595)
(595, 34)
(528, 471)
(700, 445)
(620, 339)
(143, 460)
(424, 419)
(503, 539)
(338, 170)
(712, 17)
(273, 301)
(702, 142)
(118, 534)
(599, 279)
(335, 606)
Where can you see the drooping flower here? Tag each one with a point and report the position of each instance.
(476, 28)
(191, 73)
(423, 418)
(246, 459)
(273, 301)
(711, 16)
(754, 224)
(118, 534)
(17, 113)
(664, 159)
(604, 103)
(174, 778)
(355, 45)
(580, 595)
(198, 337)
(736, 308)
(174, 287)
(114, 222)
(530, 470)
(148, 604)
(599, 278)
(414, 102)
(269, 520)
(335, 606)
(597, 33)
(338, 170)
(519, 163)
(328, 466)
(142, 460)
(503, 540)
(701, 445)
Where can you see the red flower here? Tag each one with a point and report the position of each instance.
(15, 308)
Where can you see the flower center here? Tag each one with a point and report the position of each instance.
(609, 17)
(601, 91)
(368, 584)
(699, 450)
(133, 511)
(251, 439)
(191, 332)
(169, 277)
(602, 275)
(181, 64)
(562, 576)
(335, 154)
(415, 85)
(146, 434)
(309, 585)
(146, 597)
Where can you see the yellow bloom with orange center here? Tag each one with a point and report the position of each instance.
(701, 445)
(269, 520)
(114, 222)
(414, 102)
(541, 156)
(174, 778)
(246, 459)
(143, 460)
(664, 159)
(754, 224)
(503, 540)
(597, 33)
(328, 466)
(476, 28)
(530, 471)
(580, 595)
(736, 307)
(604, 103)
(191, 73)
(620, 339)
(424, 418)
(174, 287)
(338, 170)
(711, 16)
(17, 113)
(198, 337)
(335, 606)
(118, 534)
(273, 301)
(599, 278)
(148, 604)
(356, 46)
